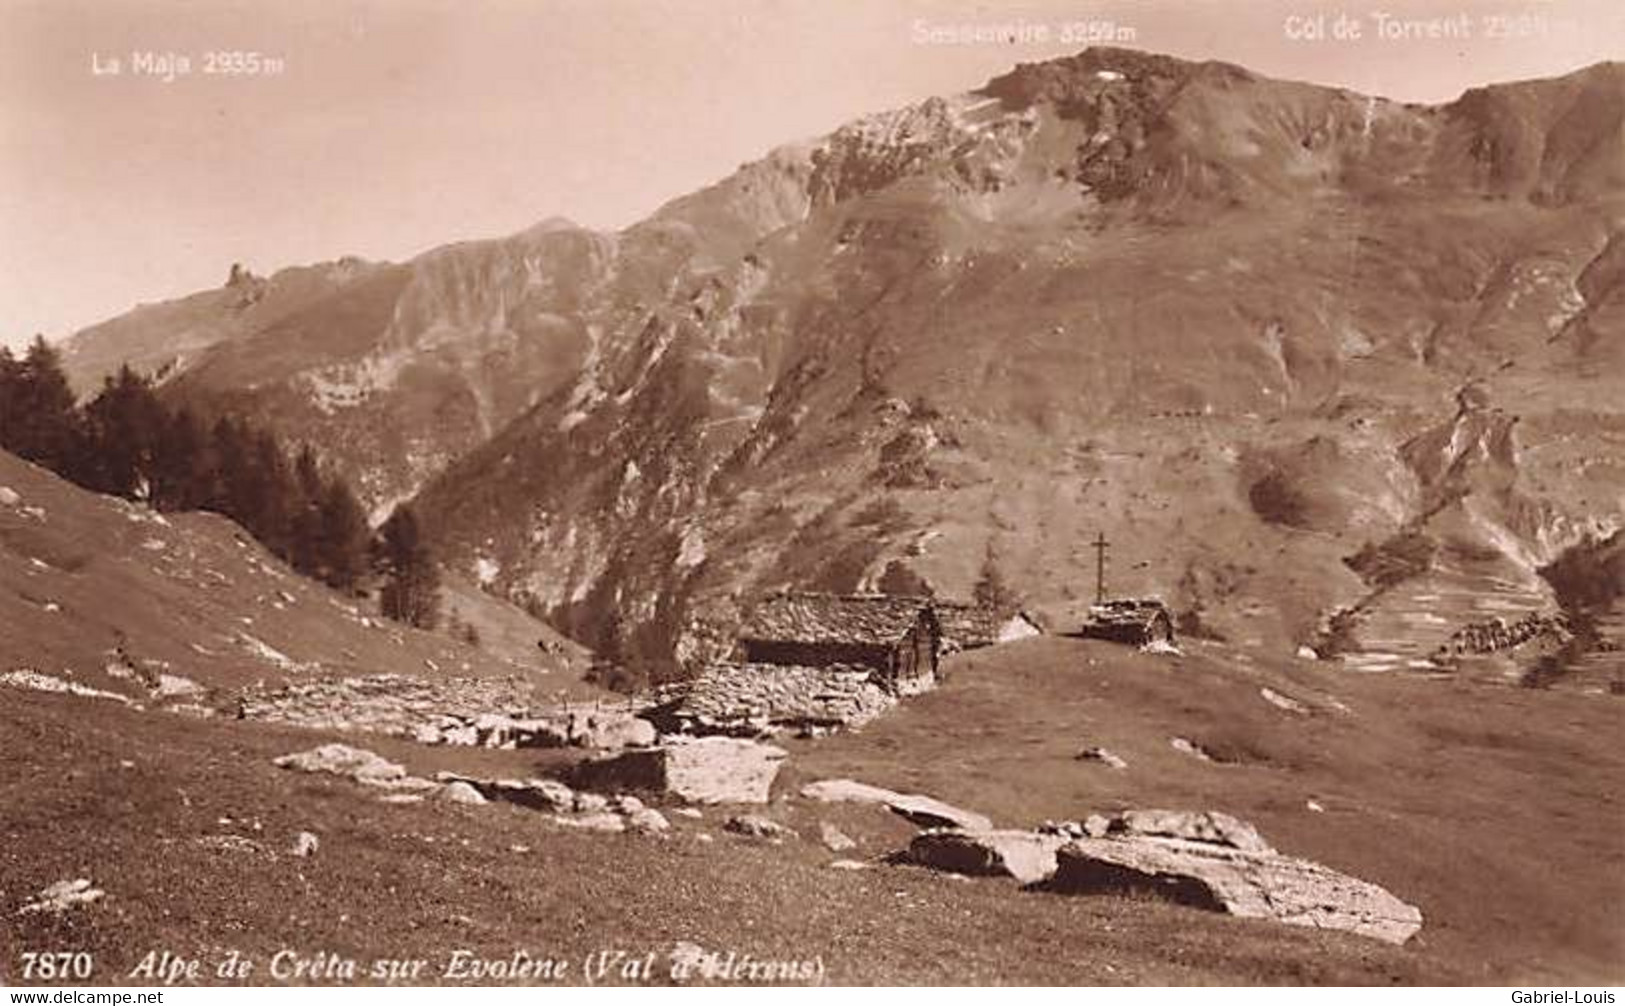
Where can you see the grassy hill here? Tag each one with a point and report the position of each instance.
(89, 580)
(1495, 810)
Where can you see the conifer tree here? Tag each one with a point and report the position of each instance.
(40, 421)
(180, 463)
(411, 591)
(122, 427)
(991, 591)
(305, 528)
(344, 536)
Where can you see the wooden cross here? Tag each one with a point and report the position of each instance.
(1100, 545)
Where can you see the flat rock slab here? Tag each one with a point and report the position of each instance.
(924, 811)
(1248, 884)
(703, 770)
(1027, 856)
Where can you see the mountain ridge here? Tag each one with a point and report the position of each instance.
(1135, 287)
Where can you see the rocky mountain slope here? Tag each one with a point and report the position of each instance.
(1323, 367)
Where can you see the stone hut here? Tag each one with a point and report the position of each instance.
(897, 638)
(971, 626)
(1135, 621)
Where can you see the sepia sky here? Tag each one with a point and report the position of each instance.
(391, 127)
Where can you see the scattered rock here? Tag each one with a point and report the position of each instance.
(1103, 756)
(834, 839)
(63, 895)
(1315, 806)
(305, 844)
(460, 792)
(1027, 856)
(1224, 879)
(1191, 748)
(756, 826)
(848, 864)
(605, 821)
(231, 844)
(690, 812)
(591, 803)
(342, 760)
(1286, 702)
(700, 770)
(923, 811)
(1308, 653)
(171, 686)
(647, 820)
(9, 497)
(38, 682)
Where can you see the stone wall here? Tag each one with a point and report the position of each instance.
(745, 700)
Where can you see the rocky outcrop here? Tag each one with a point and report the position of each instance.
(1205, 859)
(1222, 878)
(699, 770)
(1250, 885)
(1025, 855)
(924, 811)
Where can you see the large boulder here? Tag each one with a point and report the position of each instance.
(537, 794)
(607, 730)
(342, 760)
(1221, 878)
(924, 811)
(700, 770)
(1025, 855)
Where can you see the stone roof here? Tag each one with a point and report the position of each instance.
(1127, 618)
(968, 625)
(862, 619)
